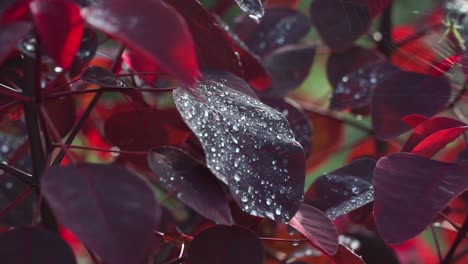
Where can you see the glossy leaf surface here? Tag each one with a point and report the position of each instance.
(343, 190)
(248, 145)
(115, 220)
(317, 227)
(142, 25)
(60, 27)
(33, 245)
(423, 186)
(223, 244)
(253, 8)
(192, 183)
(102, 77)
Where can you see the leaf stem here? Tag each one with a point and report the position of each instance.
(109, 89)
(18, 200)
(460, 236)
(19, 174)
(386, 44)
(436, 242)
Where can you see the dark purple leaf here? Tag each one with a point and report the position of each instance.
(111, 210)
(227, 245)
(462, 157)
(432, 135)
(142, 25)
(355, 89)
(372, 249)
(60, 27)
(249, 146)
(279, 27)
(340, 22)
(10, 35)
(288, 67)
(86, 51)
(192, 183)
(31, 245)
(297, 120)
(253, 8)
(102, 77)
(342, 64)
(346, 256)
(343, 190)
(317, 227)
(230, 80)
(403, 93)
(410, 191)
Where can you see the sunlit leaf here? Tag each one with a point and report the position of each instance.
(248, 145)
(142, 25)
(410, 191)
(110, 209)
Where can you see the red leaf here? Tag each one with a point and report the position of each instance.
(414, 120)
(108, 208)
(151, 28)
(432, 135)
(346, 256)
(10, 34)
(409, 192)
(60, 27)
(445, 65)
(16, 12)
(317, 227)
(139, 63)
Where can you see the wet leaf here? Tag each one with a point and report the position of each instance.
(33, 245)
(297, 120)
(403, 93)
(248, 145)
(60, 27)
(340, 22)
(253, 8)
(192, 183)
(279, 27)
(317, 227)
(288, 67)
(10, 35)
(346, 256)
(228, 245)
(355, 89)
(115, 220)
(343, 190)
(142, 25)
(341, 64)
(102, 77)
(432, 135)
(139, 63)
(423, 186)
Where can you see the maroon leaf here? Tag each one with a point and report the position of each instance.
(343, 190)
(108, 208)
(317, 227)
(140, 129)
(340, 22)
(230, 80)
(248, 145)
(10, 35)
(62, 111)
(377, 6)
(31, 245)
(298, 121)
(151, 28)
(279, 27)
(191, 181)
(102, 77)
(403, 93)
(414, 120)
(346, 256)
(288, 67)
(253, 8)
(228, 245)
(410, 191)
(355, 89)
(60, 27)
(86, 51)
(341, 64)
(138, 63)
(432, 135)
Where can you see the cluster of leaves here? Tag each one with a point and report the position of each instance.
(216, 173)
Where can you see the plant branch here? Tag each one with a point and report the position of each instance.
(109, 89)
(385, 28)
(19, 174)
(436, 242)
(460, 236)
(18, 200)
(104, 150)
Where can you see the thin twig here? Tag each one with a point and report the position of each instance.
(17, 200)
(17, 173)
(436, 242)
(109, 89)
(104, 150)
(460, 236)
